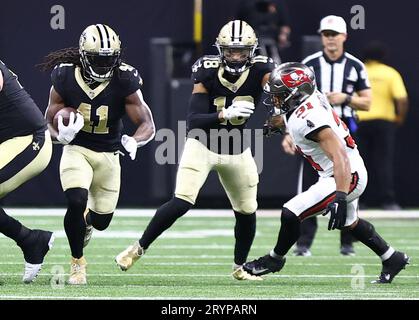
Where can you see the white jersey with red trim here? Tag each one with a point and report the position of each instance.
(311, 116)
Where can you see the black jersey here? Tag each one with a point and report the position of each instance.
(223, 90)
(19, 115)
(102, 106)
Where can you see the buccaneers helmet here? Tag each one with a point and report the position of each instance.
(100, 52)
(289, 85)
(236, 44)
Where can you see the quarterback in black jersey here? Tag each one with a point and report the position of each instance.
(93, 80)
(25, 151)
(226, 89)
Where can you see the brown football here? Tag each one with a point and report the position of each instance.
(65, 113)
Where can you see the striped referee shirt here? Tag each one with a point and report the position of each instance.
(347, 75)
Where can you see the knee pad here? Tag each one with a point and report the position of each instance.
(76, 198)
(100, 221)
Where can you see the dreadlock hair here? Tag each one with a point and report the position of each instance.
(66, 55)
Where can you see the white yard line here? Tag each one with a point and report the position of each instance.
(59, 212)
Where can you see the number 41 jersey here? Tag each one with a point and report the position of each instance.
(102, 106)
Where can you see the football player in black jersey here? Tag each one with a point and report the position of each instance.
(226, 89)
(25, 151)
(93, 80)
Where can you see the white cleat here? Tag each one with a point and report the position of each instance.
(36, 252)
(240, 274)
(127, 258)
(78, 272)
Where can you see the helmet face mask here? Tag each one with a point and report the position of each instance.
(100, 51)
(289, 85)
(236, 44)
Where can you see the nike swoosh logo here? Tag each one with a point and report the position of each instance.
(254, 271)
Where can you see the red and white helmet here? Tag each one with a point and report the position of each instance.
(289, 85)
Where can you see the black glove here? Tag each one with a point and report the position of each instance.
(269, 131)
(337, 209)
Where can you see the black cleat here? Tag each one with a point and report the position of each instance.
(264, 265)
(301, 251)
(35, 247)
(347, 250)
(392, 266)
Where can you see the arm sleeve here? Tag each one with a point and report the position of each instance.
(198, 116)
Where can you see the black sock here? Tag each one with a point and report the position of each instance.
(244, 232)
(74, 224)
(365, 232)
(12, 228)
(289, 232)
(165, 216)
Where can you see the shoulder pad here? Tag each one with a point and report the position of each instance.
(127, 72)
(206, 62)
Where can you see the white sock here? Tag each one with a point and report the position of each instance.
(275, 255)
(387, 254)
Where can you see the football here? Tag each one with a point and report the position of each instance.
(65, 113)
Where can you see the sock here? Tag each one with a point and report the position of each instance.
(365, 232)
(165, 216)
(244, 232)
(12, 228)
(74, 223)
(288, 233)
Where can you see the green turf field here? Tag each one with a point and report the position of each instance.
(193, 261)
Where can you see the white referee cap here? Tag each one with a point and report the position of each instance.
(334, 23)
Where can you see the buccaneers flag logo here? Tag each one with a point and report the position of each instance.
(295, 78)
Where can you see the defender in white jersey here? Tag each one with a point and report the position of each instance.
(324, 140)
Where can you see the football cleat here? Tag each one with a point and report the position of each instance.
(127, 258)
(347, 250)
(240, 274)
(392, 266)
(301, 251)
(78, 271)
(35, 247)
(264, 265)
(87, 235)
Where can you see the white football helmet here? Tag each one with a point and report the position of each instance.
(100, 51)
(236, 44)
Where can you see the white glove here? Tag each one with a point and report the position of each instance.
(66, 134)
(130, 144)
(242, 109)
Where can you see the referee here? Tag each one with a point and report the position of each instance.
(339, 75)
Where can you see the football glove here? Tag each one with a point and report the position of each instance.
(338, 210)
(66, 134)
(239, 109)
(130, 144)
